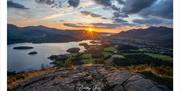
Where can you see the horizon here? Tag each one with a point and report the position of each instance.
(93, 30)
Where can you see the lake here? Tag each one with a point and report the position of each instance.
(20, 60)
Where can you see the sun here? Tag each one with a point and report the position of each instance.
(90, 29)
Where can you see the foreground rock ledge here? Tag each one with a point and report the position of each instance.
(90, 78)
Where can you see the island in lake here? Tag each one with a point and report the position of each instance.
(32, 53)
(23, 48)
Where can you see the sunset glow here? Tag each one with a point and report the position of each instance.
(88, 15)
(90, 29)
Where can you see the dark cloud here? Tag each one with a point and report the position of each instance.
(144, 8)
(95, 25)
(119, 21)
(49, 2)
(135, 6)
(154, 22)
(59, 3)
(11, 4)
(149, 21)
(120, 14)
(86, 13)
(106, 25)
(109, 3)
(90, 13)
(104, 2)
(74, 3)
(121, 1)
(163, 8)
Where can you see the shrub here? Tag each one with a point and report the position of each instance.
(107, 55)
(87, 59)
(136, 59)
(110, 49)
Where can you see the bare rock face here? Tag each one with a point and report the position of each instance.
(90, 78)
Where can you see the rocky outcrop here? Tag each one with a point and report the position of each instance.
(90, 78)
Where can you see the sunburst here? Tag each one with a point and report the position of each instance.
(90, 29)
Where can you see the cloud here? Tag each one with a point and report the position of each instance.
(74, 3)
(163, 8)
(119, 14)
(135, 6)
(59, 3)
(119, 21)
(104, 2)
(49, 2)
(90, 13)
(94, 25)
(106, 25)
(149, 21)
(109, 3)
(154, 21)
(74, 25)
(121, 1)
(86, 13)
(11, 4)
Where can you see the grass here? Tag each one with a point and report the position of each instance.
(161, 71)
(16, 78)
(110, 49)
(136, 59)
(160, 56)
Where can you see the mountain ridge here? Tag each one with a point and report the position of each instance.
(152, 35)
(42, 34)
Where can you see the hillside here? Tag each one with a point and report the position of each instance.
(152, 36)
(42, 34)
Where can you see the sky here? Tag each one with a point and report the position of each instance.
(101, 15)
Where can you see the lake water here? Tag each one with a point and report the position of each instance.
(20, 60)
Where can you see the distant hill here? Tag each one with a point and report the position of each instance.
(153, 36)
(42, 34)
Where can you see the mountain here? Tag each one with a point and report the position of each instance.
(152, 36)
(42, 34)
